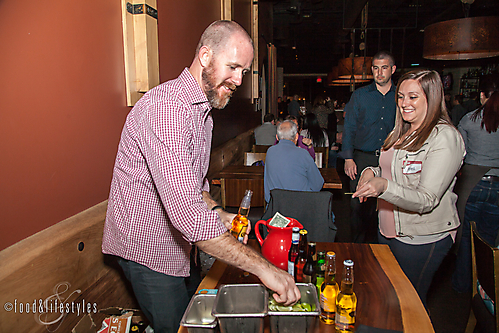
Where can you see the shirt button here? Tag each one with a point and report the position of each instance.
(382, 107)
(381, 118)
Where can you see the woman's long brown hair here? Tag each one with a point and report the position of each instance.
(489, 85)
(432, 87)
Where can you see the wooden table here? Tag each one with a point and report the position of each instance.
(386, 298)
(331, 178)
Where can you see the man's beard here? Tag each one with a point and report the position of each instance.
(212, 90)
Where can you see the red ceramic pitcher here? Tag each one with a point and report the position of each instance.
(275, 246)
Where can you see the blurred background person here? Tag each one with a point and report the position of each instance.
(481, 137)
(311, 130)
(458, 110)
(322, 109)
(265, 134)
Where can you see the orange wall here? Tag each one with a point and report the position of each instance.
(63, 102)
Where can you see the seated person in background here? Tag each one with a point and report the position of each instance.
(265, 133)
(301, 142)
(311, 130)
(288, 167)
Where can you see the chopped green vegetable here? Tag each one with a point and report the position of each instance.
(298, 307)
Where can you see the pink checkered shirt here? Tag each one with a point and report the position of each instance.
(155, 208)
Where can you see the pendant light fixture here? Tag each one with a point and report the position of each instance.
(462, 39)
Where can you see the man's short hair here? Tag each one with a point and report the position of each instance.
(385, 55)
(287, 130)
(218, 34)
(268, 118)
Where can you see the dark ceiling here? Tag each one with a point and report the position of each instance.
(312, 35)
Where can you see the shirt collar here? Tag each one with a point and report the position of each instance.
(372, 87)
(196, 94)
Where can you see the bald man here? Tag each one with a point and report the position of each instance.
(159, 203)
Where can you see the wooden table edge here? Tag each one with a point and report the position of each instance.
(412, 321)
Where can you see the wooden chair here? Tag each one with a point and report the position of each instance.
(318, 159)
(485, 263)
(250, 158)
(233, 191)
(260, 148)
(325, 155)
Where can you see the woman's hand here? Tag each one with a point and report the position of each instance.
(370, 186)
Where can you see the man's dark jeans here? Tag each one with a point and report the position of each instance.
(162, 298)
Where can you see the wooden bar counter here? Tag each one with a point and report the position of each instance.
(386, 298)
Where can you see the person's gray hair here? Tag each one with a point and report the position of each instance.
(287, 130)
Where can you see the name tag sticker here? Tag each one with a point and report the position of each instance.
(412, 167)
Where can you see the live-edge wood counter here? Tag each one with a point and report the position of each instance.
(386, 298)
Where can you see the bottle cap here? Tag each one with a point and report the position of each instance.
(331, 254)
(296, 229)
(348, 262)
(303, 232)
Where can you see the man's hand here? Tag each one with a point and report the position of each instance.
(286, 291)
(227, 248)
(350, 168)
(227, 218)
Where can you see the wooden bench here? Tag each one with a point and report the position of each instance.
(62, 263)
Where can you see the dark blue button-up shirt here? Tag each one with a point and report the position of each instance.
(370, 117)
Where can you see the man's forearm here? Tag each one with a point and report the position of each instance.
(226, 248)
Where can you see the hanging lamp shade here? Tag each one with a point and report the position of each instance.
(462, 39)
(334, 81)
(361, 67)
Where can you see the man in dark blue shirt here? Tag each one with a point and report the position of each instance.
(370, 117)
(289, 167)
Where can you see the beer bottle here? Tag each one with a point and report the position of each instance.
(240, 222)
(309, 268)
(293, 250)
(329, 290)
(320, 268)
(346, 302)
(301, 258)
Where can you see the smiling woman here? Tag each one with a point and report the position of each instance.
(415, 179)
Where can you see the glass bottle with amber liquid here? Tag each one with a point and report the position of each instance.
(293, 250)
(240, 222)
(346, 302)
(301, 258)
(309, 268)
(329, 290)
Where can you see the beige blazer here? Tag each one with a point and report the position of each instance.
(422, 183)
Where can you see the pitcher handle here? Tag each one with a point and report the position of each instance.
(257, 230)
